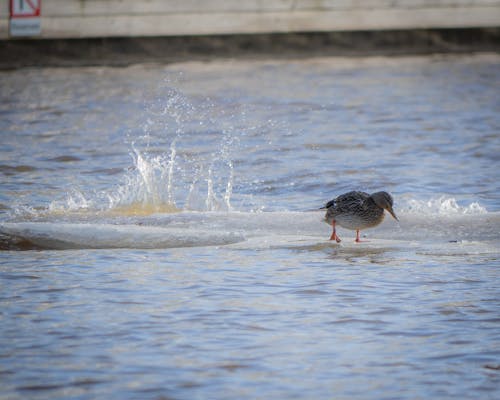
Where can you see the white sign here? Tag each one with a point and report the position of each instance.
(25, 17)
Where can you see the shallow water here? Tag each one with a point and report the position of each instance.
(161, 237)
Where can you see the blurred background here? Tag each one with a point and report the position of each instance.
(128, 31)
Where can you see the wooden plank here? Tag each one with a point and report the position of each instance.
(370, 4)
(443, 3)
(102, 18)
(299, 21)
(4, 28)
(4, 9)
(130, 7)
(153, 7)
(4, 18)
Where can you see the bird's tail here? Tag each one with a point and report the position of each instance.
(328, 205)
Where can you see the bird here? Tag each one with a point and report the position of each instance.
(357, 210)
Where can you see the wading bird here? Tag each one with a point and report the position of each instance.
(357, 211)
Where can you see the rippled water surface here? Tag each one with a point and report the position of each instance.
(161, 240)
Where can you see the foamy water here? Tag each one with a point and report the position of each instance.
(172, 245)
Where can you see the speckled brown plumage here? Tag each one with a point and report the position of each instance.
(357, 211)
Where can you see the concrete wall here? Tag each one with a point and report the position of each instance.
(123, 18)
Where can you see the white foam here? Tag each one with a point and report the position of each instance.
(259, 229)
(442, 206)
(152, 183)
(151, 225)
(62, 236)
(74, 202)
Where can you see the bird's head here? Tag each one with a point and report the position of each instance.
(384, 200)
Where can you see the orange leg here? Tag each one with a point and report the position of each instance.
(334, 233)
(358, 240)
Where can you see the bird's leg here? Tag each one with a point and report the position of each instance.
(334, 233)
(358, 240)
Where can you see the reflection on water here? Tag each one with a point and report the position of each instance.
(195, 261)
(181, 323)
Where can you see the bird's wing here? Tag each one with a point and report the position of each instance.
(351, 201)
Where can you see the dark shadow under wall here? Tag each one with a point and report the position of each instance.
(126, 51)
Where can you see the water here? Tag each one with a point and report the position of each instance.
(161, 238)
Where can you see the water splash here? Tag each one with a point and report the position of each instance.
(185, 176)
(220, 188)
(181, 159)
(74, 202)
(211, 201)
(200, 135)
(229, 186)
(442, 205)
(148, 187)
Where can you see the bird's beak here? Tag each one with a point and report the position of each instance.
(391, 211)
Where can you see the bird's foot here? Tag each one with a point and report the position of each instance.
(334, 233)
(358, 240)
(335, 237)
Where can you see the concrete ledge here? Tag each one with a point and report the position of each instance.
(136, 18)
(270, 22)
(126, 51)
